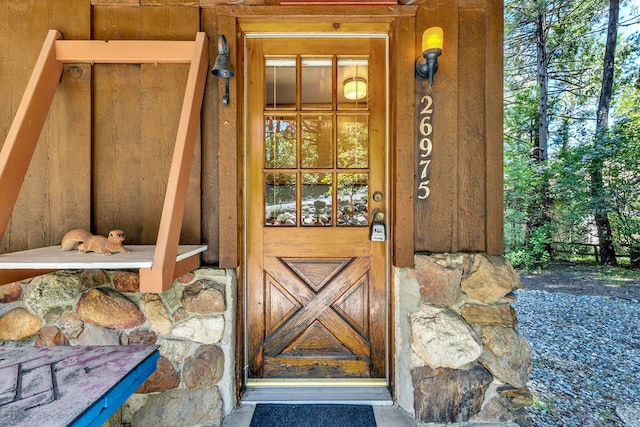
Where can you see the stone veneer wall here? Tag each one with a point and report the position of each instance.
(458, 356)
(193, 323)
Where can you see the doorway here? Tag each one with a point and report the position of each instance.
(316, 298)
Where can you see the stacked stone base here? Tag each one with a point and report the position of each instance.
(458, 355)
(192, 323)
(466, 360)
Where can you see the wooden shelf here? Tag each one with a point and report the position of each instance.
(52, 258)
(24, 264)
(32, 111)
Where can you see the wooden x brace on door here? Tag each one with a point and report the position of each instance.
(321, 304)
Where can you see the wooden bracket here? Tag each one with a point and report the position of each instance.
(32, 111)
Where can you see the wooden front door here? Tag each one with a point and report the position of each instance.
(316, 284)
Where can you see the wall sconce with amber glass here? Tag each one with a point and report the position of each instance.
(427, 64)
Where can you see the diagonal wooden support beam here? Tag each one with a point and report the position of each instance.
(24, 132)
(23, 135)
(159, 277)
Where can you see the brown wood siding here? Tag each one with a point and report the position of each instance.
(402, 157)
(211, 145)
(471, 183)
(108, 169)
(135, 119)
(55, 193)
(230, 199)
(435, 217)
(464, 209)
(494, 97)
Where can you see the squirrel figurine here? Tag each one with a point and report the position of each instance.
(87, 242)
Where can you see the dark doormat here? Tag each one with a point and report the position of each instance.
(272, 415)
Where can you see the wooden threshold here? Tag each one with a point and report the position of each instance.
(316, 382)
(354, 391)
(379, 396)
(32, 111)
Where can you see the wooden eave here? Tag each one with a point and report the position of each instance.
(319, 13)
(167, 259)
(316, 19)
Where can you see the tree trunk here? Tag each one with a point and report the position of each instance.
(605, 239)
(634, 256)
(540, 150)
(539, 213)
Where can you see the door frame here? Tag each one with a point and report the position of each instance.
(387, 198)
(399, 24)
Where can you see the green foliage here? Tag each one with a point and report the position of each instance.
(534, 253)
(574, 37)
(547, 404)
(622, 170)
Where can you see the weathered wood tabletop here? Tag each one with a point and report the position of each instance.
(62, 386)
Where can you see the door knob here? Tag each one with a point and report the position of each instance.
(377, 216)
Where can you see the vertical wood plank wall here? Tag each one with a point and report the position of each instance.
(436, 217)
(108, 169)
(494, 101)
(464, 209)
(403, 155)
(52, 198)
(135, 120)
(230, 149)
(210, 144)
(471, 150)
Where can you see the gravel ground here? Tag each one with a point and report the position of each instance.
(584, 279)
(585, 351)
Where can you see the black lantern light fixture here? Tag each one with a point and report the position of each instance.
(221, 67)
(427, 64)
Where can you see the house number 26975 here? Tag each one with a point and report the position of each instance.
(426, 145)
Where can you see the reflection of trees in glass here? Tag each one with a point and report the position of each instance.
(281, 188)
(320, 179)
(352, 198)
(317, 186)
(317, 152)
(280, 199)
(316, 195)
(353, 142)
(317, 142)
(280, 142)
(353, 152)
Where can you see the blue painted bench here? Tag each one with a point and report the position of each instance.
(70, 386)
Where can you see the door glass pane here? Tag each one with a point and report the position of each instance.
(317, 85)
(280, 83)
(280, 142)
(316, 199)
(353, 80)
(353, 193)
(280, 199)
(317, 142)
(353, 142)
